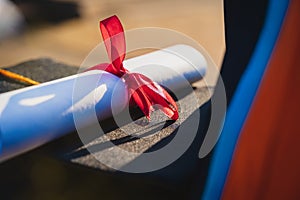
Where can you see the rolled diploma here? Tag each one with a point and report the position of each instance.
(35, 115)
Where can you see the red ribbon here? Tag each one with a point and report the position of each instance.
(144, 92)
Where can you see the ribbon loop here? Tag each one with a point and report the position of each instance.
(144, 92)
(114, 40)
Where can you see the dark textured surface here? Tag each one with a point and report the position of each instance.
(138, 136)
(65, 169)
(41, 70)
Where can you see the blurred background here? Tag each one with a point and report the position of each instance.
(67, 30)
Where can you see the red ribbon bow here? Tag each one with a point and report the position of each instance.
(144, 92)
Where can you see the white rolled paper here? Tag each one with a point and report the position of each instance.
(35, 115)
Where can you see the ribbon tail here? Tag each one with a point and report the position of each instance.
(147, 93)
(142, 101)
(164, 102)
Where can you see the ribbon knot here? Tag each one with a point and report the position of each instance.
(144, 92)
